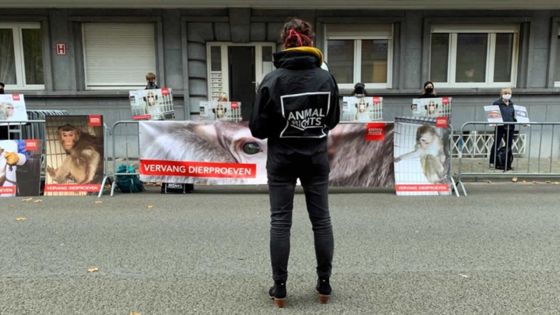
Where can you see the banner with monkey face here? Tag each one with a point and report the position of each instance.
(431, 107)
(362, 109)
(74, 155)
(20, 167)
(216, 110)
(12, 108)
(223, 152)
(156, 104)
(421, 155)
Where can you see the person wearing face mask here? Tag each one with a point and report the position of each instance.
(428, 90)
(504, 131)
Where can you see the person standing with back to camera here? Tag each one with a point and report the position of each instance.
(295, 107)
(504, 131)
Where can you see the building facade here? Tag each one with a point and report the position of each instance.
(85, 57)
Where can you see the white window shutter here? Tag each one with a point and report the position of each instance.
(118, 55)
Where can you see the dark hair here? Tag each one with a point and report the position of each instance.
(359, 88)
(296, 32)
(428, 82)
(2, 84)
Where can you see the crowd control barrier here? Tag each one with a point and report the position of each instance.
(533, 150)
(125, 133)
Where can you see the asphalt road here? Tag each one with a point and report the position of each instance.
(493, 252)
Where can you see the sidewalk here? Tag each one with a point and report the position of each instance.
(495, 251)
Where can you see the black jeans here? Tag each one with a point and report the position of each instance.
(313, 173)
(502, 132)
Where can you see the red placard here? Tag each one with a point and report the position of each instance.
(31, 145)
(442, 122)
(375, 131)
(94, 120)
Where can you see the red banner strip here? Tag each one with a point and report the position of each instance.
(422, 187)
(375, 131)
(142, 117)
(72, 187)
(198, 169)
(9, 190)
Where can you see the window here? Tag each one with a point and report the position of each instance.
(360, 53)
(21, 56)
(118, 55)
(557, 62)
(474, 56)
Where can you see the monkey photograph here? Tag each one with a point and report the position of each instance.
(154, 104)
(74, 155)
(421, 155)
(362, 108)
(12, 108)
(354, 161)
(493, 114)
(220, 110)
(431, 107)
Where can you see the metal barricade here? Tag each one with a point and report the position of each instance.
(126, 134)
(524, 150)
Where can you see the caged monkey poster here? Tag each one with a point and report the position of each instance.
(215, 110)
(422, 159)
(362, 109)
(431, 107)
(74, 155)
(20, 167)
(155, 104)
(221, 152)
(12, 108)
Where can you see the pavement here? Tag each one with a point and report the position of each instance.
(495, 251)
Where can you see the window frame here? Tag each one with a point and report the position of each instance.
(357, 38)
(556, 81)
(119, 85)
(491, 31)
(19, 59)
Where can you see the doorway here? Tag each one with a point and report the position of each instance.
(236, 70)
(242, 77)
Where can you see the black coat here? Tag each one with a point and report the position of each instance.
(296, 104)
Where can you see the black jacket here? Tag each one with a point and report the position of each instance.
(508, 112)
(296, 104)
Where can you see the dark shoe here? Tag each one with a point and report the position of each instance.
(324, 289)
(278, 293)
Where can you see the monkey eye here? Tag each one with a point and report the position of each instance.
(251, 148)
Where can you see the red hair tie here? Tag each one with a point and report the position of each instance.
(293, 33)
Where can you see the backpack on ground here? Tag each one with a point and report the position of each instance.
(128, 183)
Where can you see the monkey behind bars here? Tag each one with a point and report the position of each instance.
(83, 158)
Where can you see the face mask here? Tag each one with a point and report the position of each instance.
(429, 90)
(506, 97)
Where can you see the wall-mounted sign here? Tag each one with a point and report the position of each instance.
(61, 49)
